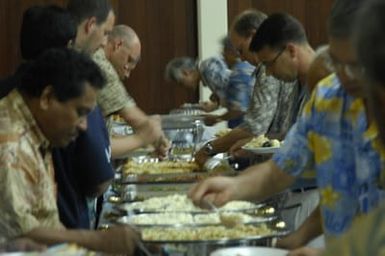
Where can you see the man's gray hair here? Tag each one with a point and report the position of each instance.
(174, 68)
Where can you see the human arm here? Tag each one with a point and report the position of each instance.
(119, 239)
(256, 183)
(134, 116)
(210, 120)
(221, 144)
(148, 134)
(306, 251)
(208, 106)
(310, 229)
(263, 180)
(148, 128)
(21, 245)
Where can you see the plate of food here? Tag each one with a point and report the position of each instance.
(263, 145)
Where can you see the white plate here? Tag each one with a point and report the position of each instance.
(261, 150)
(250, 251)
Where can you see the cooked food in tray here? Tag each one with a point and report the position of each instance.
(206, 233)
(163, 167)
(180, 203)
(117, 119)
(176, 219)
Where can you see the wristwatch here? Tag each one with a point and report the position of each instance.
(209, 149)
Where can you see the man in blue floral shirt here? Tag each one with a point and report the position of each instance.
(239, 89)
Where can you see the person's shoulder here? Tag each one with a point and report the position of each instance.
(214, 62)
(10, 117)
(264, 80)
(328, 96)
(105, 65)
(99, 56)
(244, 67)
(329, 87)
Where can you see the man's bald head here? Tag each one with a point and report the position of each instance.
(123, 50)
(125, 33)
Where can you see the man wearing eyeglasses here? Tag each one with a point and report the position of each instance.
(367, 235)
(117, 60)
(270, 110)
(333, 137)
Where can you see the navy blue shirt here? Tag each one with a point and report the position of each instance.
(79, 167)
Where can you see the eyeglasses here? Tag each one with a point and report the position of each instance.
(270, 63)
(352, 70)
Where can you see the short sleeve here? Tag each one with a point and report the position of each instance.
(240, 87)
(263, 105)
(113, 97)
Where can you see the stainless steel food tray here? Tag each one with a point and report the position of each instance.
(278, 229)
(126, 220)
(179, 121)
(125, 207)
(191, 177)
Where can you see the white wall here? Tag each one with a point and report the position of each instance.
(212, 26)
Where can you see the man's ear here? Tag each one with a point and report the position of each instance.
(90, 25)
(186, 71)
(117, 44)
(292, 50)
(71, 44)
(47, 97)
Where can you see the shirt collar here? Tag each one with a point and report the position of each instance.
(30, 123)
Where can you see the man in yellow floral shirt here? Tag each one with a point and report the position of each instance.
(334, 138)
(367, 236)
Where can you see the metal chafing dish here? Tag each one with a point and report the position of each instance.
(184, 131)
(150, 165)
(191, 175)
(206, 246)
(131, 192)
(171, 177)
(180, 203)
(177, 220)
(201, 246)
(214, 234)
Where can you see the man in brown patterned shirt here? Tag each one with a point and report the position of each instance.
(118, 58)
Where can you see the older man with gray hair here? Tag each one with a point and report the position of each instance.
(118, 58)
(212, 72)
